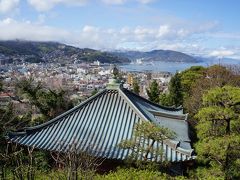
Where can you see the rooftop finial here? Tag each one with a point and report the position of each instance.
(114, 82)
(115, 72)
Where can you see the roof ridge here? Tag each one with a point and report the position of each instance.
(132, 104)
(158, 105)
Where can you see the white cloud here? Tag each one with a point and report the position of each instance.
(11, 29)
(223, 35)
(41, 18)
(135, 38)
(221, 53)
(8, 5)
(114, 1)
(145, 1)
(117, 2)
(89, 29)
(88, 36)
(163, 30)
(45, 5)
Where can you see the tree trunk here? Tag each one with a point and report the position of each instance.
(228, 127)
(148, 150)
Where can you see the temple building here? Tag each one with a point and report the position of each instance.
(100, 123)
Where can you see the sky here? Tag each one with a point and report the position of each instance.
(200, 27)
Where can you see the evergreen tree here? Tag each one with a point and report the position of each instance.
(165, 100)
(95, 91)
(146, 134)
(154, 92)
(49, 102)
(189, 78)
(136, 88)
(9, 121)
(218, 131)
(175, 90)
(196, 82)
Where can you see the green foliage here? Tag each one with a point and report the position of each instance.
(189, 78)
(206, 79)
(175, 95)
(149, 130)
(146, 134)
(227, 97)
(175, 90)
(103, 57)
(127, 174)
(218, 130)
(119, 174)
(165, 99)
(33, 60)
(154, 92)
(95, 91)
(212, 173)
(10, 121)
(49, 102)
(19, 162)
(136, 88)
(41, 159)
(41, 49)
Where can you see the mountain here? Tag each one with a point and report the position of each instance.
(210, 60)
(157, 55)
(32, 51)
(55, 52)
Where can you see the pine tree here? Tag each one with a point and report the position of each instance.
(154, 92)
(218, 132)
(165, 100)
(136, 88)
(95, 91)
(49, 102)
(175, 90)
(146, 134)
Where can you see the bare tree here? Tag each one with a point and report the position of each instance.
(77, 164)
(20, 163)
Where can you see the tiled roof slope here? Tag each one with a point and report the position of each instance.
(103, 121)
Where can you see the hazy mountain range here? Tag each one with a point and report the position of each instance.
(157, 55)
(58, 52)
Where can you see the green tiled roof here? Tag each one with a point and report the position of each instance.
(100, 123)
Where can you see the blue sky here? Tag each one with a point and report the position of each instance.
(202, 27)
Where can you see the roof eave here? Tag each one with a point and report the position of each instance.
(34, 128)
(164, 114)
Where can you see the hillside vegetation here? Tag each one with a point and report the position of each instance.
(158, 55)
(56, 52)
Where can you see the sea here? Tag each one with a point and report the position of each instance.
(173, 67)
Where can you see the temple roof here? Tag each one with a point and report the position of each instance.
(103, 121)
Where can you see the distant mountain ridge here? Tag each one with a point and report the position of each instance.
(56, 52)
(158, 55)
(32, 51)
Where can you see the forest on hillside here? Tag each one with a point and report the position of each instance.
(211, 96)
(37, 52)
